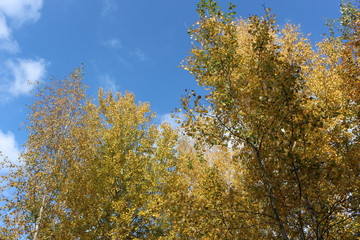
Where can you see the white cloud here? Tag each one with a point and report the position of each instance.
(20, 76)
(109, 7)
(21, 11)
(9, 146)
(14, 13)
(112, 43)
(25, 74)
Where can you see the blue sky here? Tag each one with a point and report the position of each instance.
(134, 45)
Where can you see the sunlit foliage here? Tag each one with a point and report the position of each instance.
(271, 152)
(292, 112)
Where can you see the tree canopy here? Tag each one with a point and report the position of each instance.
(270, 152)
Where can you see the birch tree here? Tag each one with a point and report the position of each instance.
(287, 108)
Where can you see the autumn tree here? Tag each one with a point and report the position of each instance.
(290, 110)
(271, 152)
(47, 159)
(89, 171)
(204, 197)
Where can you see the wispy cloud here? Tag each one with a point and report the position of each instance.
(4, 29)
(171, 118)
(9, 147)
(109, 7)
(112, 43)
(6, 43)
(9, 45)
(140, 55)
(108, 83)
(124, 61)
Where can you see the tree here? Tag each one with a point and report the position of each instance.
(52, 141)
(205, 197)
(88, 171)
(291, 113)
(271, 152)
